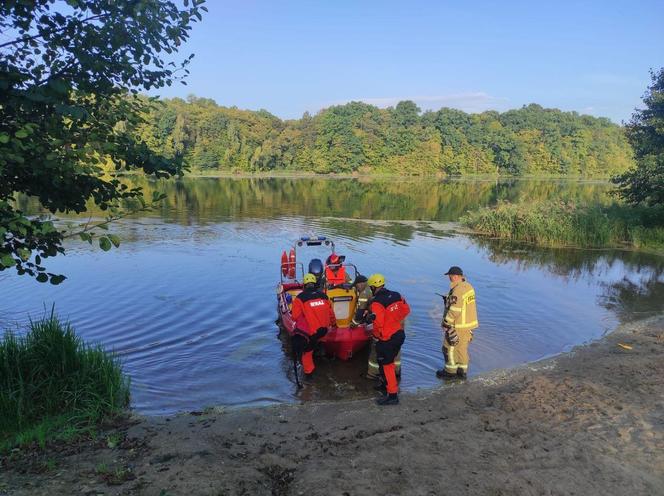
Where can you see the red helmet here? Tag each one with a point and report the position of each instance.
(333, 259)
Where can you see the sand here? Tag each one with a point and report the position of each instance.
(589, 422)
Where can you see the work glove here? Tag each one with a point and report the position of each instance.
(370, 318)
(320, 332)
(451, 337)
(298, 343)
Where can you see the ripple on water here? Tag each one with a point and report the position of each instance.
(190, 307)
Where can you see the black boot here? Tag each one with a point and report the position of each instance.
(388, 399)
(442, 373)
(381, 386)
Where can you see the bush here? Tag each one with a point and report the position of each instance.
(560, 224)
(50, 380)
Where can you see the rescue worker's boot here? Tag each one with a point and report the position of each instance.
(442, 373)
(388, 399)
(381, 386)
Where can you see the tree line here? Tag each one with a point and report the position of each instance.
(361, 138)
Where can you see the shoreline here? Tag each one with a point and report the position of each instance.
(588, 421)
(387, 175)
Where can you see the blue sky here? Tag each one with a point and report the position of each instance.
(294, 56)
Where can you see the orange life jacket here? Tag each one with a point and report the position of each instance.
(335, 278)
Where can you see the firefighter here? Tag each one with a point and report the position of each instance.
(363, 302)
(459, 321)
(335, 272)
(388, 311)
(313, 316)
(363, 297)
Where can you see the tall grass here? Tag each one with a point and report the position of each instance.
(52, 383)
(560, 224)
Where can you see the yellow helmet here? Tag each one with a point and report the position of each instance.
(309, 279)
(376, 280)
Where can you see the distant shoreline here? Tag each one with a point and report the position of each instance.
(413, 177)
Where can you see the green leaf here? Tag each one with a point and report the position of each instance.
(4, 138)
(104, 243)
(57, 279)
(7, 260)
(42, 277)
(114, 239)
(86, 237)
(21, 133)
(24, 253)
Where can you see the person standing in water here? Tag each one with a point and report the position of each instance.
(388, 311)
(459, 321)
(313, 315)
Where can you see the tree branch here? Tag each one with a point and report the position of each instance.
(52, 31)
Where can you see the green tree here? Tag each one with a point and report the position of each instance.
(70, 76)
(645, 182)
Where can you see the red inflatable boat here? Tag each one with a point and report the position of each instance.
(342, 342)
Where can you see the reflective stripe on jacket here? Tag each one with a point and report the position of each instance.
(315, 307)
(461, 310)
(390, 310)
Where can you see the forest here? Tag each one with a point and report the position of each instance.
(360, 138)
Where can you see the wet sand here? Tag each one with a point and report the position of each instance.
(589, 422)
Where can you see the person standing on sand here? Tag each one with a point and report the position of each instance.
(459, 321)
(388, 311)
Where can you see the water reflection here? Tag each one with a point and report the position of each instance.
(636, 289)
(200, 200)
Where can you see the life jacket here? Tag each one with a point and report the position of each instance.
(312, 310)
(390, 310)
(335, 278)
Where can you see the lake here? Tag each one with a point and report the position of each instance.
(188, 300)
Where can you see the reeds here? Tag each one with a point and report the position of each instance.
(52, 383)
(560, 224)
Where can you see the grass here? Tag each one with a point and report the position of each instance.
(561, 224)
(54, 386)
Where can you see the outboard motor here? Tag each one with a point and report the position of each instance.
(316, 268)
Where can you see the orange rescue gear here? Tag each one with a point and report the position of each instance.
(312, 311)
(291, 264)
(335, 278)
(316, 308)
(284, 264)
(390, 310)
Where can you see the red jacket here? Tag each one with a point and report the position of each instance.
(315, 308)
(390, 310)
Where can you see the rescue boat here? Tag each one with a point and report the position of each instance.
(341, 342)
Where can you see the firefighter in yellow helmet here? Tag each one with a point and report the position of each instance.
(459, 321)
(364, 296)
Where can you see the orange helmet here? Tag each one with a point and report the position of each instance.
(333, 259)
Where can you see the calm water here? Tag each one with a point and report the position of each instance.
(188, 300)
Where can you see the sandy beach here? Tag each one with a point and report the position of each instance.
(589, 422)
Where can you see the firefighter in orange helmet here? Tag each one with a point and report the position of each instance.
(388, 311)
(313, 316)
